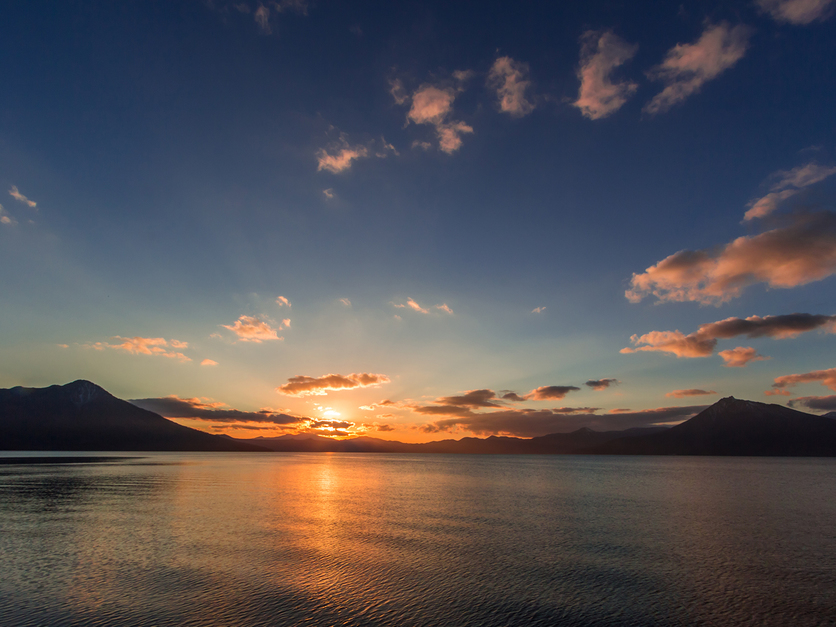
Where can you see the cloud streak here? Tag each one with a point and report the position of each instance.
(14, 193)
(689, 392)
(251, 329)
(208, 409)
(601, 384)
(817, 403)
(433, 105)
(320, 386)
(789, 184)
(798, 12)
(826, 377)
(687, 67)
(602, 52)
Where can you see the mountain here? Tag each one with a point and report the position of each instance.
(81, 416)
(736, 427)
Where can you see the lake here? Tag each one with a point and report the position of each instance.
(365, 539)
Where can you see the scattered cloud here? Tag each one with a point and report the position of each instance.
(384, 427)
(818, 403)
(319, 386)
(209, 409)
(825, 377)
(801, 252)
(472, 398)
(512, 396)
(741, 356)
(262, 18)
(443, 307)
(789, 183)
(510, 80)
(5, 218)
(339, 156)
(328, 193)
(689, 392)
(433, 105)
(601, 384)
(703, 342)
(14, 193)
(281, 301)
(251, 329)
(797, 12)
(601, 53)
(411, 304)
(538, 310)
(549, 392)
(144, 346)
(345, 302)
(208, 362)
(687, 67)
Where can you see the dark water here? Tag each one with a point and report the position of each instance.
(352, 539)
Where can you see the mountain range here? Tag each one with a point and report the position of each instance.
(83, 416)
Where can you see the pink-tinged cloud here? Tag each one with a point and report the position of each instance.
(687, 67)
(411, 304)
(281, 301)
(797, 12)
(339, 156)
(208, 409)
(5, 218)
(802, 252)
(251, 329)
(789, 183)
(178, 344)
(433, 105)
(443, 307)
(262, 18)
(550, 392)
(14, 193)
(825, 377)
(346, 302)
(537, 310)
(208, 362)
(601, 384)
(741, 356)
(510, 80)
(817, 403)
(602, 52)
(673, 342)
(144, 346)
(320, 386)
(398, 92)
(450, 135)
(689, 392)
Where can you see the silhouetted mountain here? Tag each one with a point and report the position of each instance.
(830, 414)
(81, 416)
(735, 427)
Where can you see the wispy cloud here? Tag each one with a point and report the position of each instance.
(602, 52)
(741, 356)
(702, 342)
(251, 329)
(262, 18)
(414, 306)
(144, 346)
(510, 80)
(346, 302)
(797, 12)
(689, 392)
(319, 386)
(14, 193)
(788, 256)
(328, 193)
(825, 377)
(208, 362)
(5, 218)
(789, 183)
(818, 403)
(537, 310)
(687, 67)
(601, 384)
(281, 301)
(338, 157)
(209, 409)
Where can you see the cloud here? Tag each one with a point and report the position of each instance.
(251, 329)
(801, 252)
(398, 92)
(14, 193)
(740, 357)
(208, 409)
(549, 392)
(510, 80)
(820, 403)
(144, 346)
(433, 105)
(472, 398)
(601, 53)
(412, 305)
(208, 362)
(702, 342)
(384, 427)
(601, 384)
(825, 377)
(262, 18)
(328, 193)
(797, 12)
(532, 423)
(5, 218)
(687, 67)
(338, 157)
(443, 307)
(690, 392)
(345, 302)
(789, 184)
(538, 310)
(319, 386)
(281, 301)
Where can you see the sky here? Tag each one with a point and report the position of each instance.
(420, 220)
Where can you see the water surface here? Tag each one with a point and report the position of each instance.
(370, 539)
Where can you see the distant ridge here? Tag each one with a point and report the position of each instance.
(81, 416)
(736, 427)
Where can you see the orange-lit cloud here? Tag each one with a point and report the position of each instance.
(687, 67)
(537, 310)
(144, 346)
(472, 398)
(5, 218)
(208, 409)
(550, 392)
(601, 384)
(339, 156)
(741, 356)
(319, 386)
(797, 12)
(281, 301)
(825, 377)
(208, 362)
(778, 393)
(820, 403)
(673, 342)
(789, 183)
(510, 80)
(433, 105)
(346, 302)
(251, 329)
(14, 193)
(784, 257)
(690, 392)
(601, 53)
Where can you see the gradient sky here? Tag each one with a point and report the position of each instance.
(420, 220)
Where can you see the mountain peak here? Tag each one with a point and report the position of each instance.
(82, 392)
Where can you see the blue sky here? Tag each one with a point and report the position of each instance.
(542, 183)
